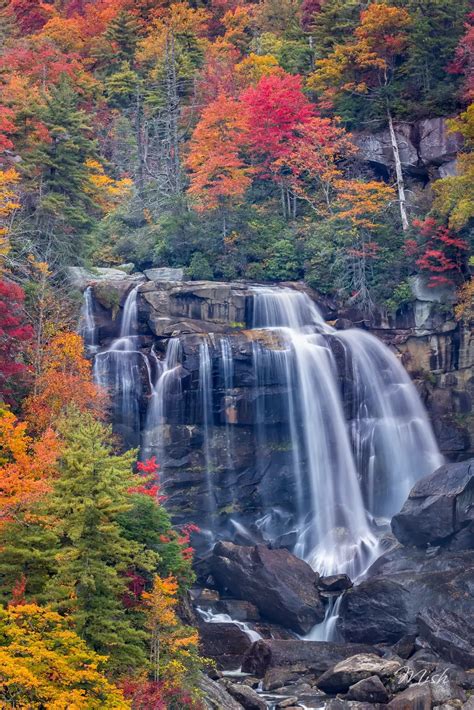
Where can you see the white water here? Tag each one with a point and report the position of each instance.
(118, 369)
(87, 329)
(337, 535)
(166, 382)
(212, 618)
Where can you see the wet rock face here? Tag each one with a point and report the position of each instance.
(282, 587)
(439, 509)
(340, 677)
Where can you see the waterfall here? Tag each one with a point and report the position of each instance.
(166, 382)
(341, 472)
(393, 440)
(207, 418)
(118, 369)
(87, 329)
(229, 412)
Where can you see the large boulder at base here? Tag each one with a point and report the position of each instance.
(313, 656)
(225, 643)
(283, 587)
(340, 677)
(449, 634)
(439, 506)
(400, 584)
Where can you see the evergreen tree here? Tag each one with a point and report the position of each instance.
(89, 497)
(59, 175)
(122, 32)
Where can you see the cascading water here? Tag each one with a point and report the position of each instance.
(391, 443)
(205, 401)
(117, 369)
(166, 382)
(87, 329)
(227, 372)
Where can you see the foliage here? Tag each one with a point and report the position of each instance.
(15, 335)
(27, 466)
(64, 381)
(45, 664)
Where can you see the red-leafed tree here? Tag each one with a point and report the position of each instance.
(275, 107)
(15, 335)
(463, 62)
(441, 254)
(7, 127)
(31, 15)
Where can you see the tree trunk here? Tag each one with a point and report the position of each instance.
(398, 172)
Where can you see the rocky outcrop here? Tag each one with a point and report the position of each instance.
(282, 587)
(314, 657)
(423, 145)
(225, 643)
(439, 509)
(449, 634)
(340, 677)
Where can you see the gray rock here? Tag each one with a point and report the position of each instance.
(164, 274)
(436, 144)
(216, 697)
(370, 690)
(238, 609)
(294, 654)
(449, 634)
(225, 643)
(247, 697)
(438, 507)
(416, 697)
(282, 586)
(80, 277)
(335, 583)
(288, 702)
(340, 677)
(429, 294)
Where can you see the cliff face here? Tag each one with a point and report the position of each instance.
(258, 473)
(436, 350)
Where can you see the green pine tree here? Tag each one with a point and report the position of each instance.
(123, 33)
(95, 556)
(57, 175)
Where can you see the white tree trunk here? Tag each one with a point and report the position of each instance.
(399, 174)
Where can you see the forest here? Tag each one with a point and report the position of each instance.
(221, 137)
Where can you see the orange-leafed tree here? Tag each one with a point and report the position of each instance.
(219, 174)
(65, 379)
(27, 466)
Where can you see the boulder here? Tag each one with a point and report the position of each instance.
(309, 656)
(335, 583)
(416, 697)
(225, 643)
(283, 587)
(340, 677)
(215, 696)
(247, 697)
(449, 634)
(238, 609)
(164, 274)
(436, 144)
(370, 690)
(439, 506)
(400, 584)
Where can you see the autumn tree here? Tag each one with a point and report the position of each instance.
(365, 68)
(64, 379)
(15, 336)
(27, 466)
(46, 664)
(441, 253)
(219, 175)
